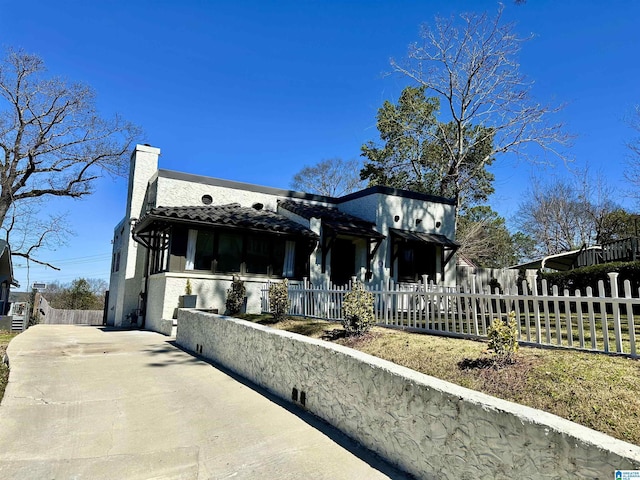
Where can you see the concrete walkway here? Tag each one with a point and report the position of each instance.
(88, 403)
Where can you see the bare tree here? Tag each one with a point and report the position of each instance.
(567, 213)
(333, 177)
(595, 194)
(470, 64)
(53, 143)
(555, 217)
(484, 238)
(632, 173)
(27, 229)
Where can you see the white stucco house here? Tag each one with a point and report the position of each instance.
(179, 226)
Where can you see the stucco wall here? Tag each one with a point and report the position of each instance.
(211, 290)
(155, 303)
(126, 285)
(430, 428)
(178, 192)
(382, 210)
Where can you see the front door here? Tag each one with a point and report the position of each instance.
(343, 261)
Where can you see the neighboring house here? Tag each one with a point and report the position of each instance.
(623, 250)
(6, 282)
(179, 226)
(6, 277)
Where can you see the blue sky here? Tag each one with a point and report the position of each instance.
(254, 90)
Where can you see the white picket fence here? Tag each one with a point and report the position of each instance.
(595, 322)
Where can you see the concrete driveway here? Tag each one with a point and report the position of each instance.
(88, 403)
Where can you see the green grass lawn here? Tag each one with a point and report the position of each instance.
(596, 390)
(5, 338)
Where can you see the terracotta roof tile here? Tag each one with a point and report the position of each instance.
(339, 221)
(231, 215)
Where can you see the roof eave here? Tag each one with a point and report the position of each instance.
(146, 222)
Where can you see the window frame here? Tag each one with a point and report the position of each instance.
(283, 259)
(425, 261)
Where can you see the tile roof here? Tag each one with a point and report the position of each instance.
(231, 215)
(335, 219)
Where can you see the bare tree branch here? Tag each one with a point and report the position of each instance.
(566, 213)
(333, 177)
(28, 230)
(632, 172)
(470, 64)
(34, 260)
(53, 143)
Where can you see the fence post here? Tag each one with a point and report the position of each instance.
(603, 315)
(556, 311)
(527, 315)
(568, 317)
(580, 319)
(592, 319)
(393, 302)
(545, 309)
(615, 307)
(425, 306)
(632, 328)
(474, 304)
(536, 310)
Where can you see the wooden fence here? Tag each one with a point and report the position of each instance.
(595, 321)
(55, 316)
(503, 276)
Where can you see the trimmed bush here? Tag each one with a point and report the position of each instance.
(581, 278)
(279, 299)
(235, 296)
(503, 338)
(358, 310)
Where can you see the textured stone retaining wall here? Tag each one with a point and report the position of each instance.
(430, 428)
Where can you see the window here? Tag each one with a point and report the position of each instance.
(258, 255)
(237, 252)
(203, 255)
(199, 248)
(289, 265)
(115, 262)
(229, 258)
(266, 255)
(278, 258)
(343, 261)
(416, 259)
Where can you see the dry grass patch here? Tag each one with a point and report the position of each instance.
(307, 327)
(599, 391)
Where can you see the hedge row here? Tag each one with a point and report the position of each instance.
(581, 278)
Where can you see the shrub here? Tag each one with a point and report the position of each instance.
(495, 284)
(503, 338)
(279, 299)
(235, 296)
(187, 289)
(581, 278)
(358, 310)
